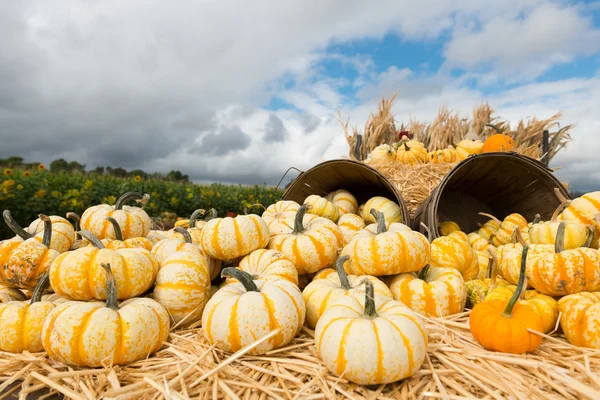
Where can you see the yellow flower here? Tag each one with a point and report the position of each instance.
(27, 174)
(88, 183)
(137, 178)
(41, 167)
(40, 193)
(190, 196)
(9, 183)
(19, 187)
(8, 172)
(218, 194)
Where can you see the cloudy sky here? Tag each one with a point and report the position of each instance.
(238, 91)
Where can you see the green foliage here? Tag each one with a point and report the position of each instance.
(27, 193)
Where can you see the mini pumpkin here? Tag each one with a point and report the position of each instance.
(247, 310)
(498, 141)
(23, 258)
(350, 225)
(377, 250)
(22, 321)
(470, 146)
(411, 155)
(489, 229)
(344, 201)
(320, 293)
(383, 154)
(312, 245)
(105, 333)
(507, 227)
(447, 227)
(576, 234)
(322, 207)
(370, 341)
(501, 325)
(195, 225)
(63, 234)
(451, 252)
(478, 242)
(580, 318)
(228, 238)
(478, 288)
(278, 213)
(165, 248)
(268, 265)
(9, 293)
(390, 209)
(584, 210)
(119, 243)
(443, 156)
(133, 221)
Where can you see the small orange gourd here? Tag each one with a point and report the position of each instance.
(498, 142)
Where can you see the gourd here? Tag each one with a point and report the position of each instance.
(383, 154)
(312, 245)
(322, 207)
(63, 234)
(22, 321)
(24, 259)
(79, 241)
(576, 233)
(501, 325)
(478, 242)
(105, 334)
(391, 211)
(195, 225)
(227, 238)
(497, 142)
(470, 146)
(156, 236)
(344, 201)
(278, 213)
(435, 291)
(377, 250)
(580, 318)
(268, 265)
(411, 155)
(372, 340)
(478, 288)
(320, 293)
(507, 227)
(447, 227)
(80, 275)
(451, 252)
(164, 248)
(119, 243)
(8, 293)
(584, 210)
(134, 221)
(350, 225)
(509, 257)
(183, 286)
(489, 229)
(443, 156)
(247, 310)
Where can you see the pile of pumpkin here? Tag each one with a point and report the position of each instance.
(413, 152)
(368, 278)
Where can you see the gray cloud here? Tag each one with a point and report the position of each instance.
(226, 141)
(275, 130)
(309, 122)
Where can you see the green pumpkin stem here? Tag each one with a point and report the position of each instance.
(47, 237)
(40, 288)
(12, 224)
(130, 196)
(76, 219)
(183, 232)
(537, 218)
(494, 127)
(90, 237)
(212, 214)
(380, 220)
(242, 276)
(298, 226)
(513, 300)
(370, 308)
(423, 273)
(559, 243)
(116, 228)
(406, 148)
(590, 236)
(195, 216)
(112, 300)
(339, 266)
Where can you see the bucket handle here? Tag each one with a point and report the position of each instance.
(284, 175)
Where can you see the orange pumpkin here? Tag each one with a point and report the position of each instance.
(498, 142)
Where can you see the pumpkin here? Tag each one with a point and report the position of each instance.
(489, 229)
(320, 293)
(383, 154)
(584, 210)
(565, 271)
(501, 325)
(79, 274)
(576, 233)
(195, 225)
(8, 293)
(119, 243)
(278, 215)
(377, 250)
(79, 241)
(324, 274)
(105, 334)
(443, 156)
(470, 146)
(22, 321)
(580, 318)
(24, 259)
(478, 242)
(460, 235)
(183, 286)
(156, 236)
(63, 234)
(391, 211)
(451, 252)
(344, 201)
(507, 227)
(483, 259)
(165, 248)
(312, 245)
(497, 142)
(478, 288)
(350, 224)
(243, 312)
(372, 340)
(227, 238)
(322, 207)
(55, 298)
(268, 265)
(447, 227)
(434, 291)
(411, 155)
(134, 221)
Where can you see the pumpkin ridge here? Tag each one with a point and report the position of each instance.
(380, 369)
(215, 240)
(298, 311)
(126, 291)
(49, 323)
(329, 323)
(258, 227)
(22, 313)
(299, 262)
(91, 282)
(239, 238)
(234, 334)
(76, 342)
(38, 265)
(325, 301)
(341, 357)
(319, 248)
(402, 241)
(273, 324)
(207, 328)
(120, 348)
(409, 351)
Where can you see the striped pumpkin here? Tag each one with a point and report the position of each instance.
(507, 227)
(371, 340)
(584, 210)
(344, 201)
(166, 247)
(478, 242)
(312, 245)
(391, 211)
(489, 229)
(350, 225)
(228, 238)
(278, 213)
(448, 155)
(322, 207)
(450, 252)
(411, 155)
(119, 243)
(509, 259)
(242, 312)
(447, 227)
(268, 265)
(435, 291)
(63, 233)
(9, 293)
(580, 318)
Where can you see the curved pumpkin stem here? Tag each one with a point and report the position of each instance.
(423, 273)
(339, 266)
(298, 227)
(212, 214)
(493, 269)
(490, 216)
(590, 236)
(561, 197)
(559, 243)
(518, 237)
(77, 220)
(370, 308)
(380, 219)
(183, 232)
(513, 300)
(560, 209)
(47, 237)
(116, 228)
(111, 288)
(427, 231)
(131, 196)
(536, 219)
(195, 215)
(494, 127)
(12, 224)
(40, 288)
(90, 237)
(242, 276)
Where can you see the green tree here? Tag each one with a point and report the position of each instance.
(59, 165)
(74, 166)
(177, 176)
